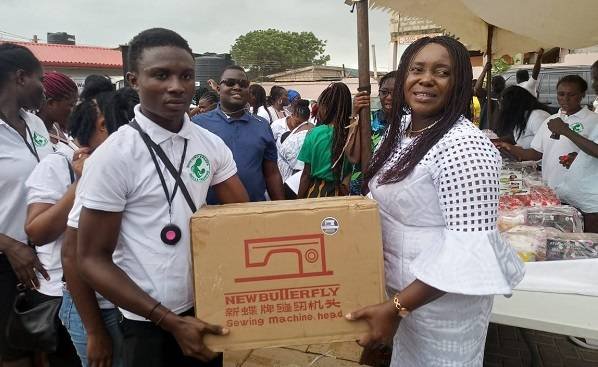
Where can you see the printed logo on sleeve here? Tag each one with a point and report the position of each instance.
(577, 127)
(199, 168)
(39, 140)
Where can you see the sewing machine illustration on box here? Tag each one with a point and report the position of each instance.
(308, 250)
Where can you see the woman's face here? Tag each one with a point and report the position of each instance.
(569, 96)
(385, 93)
(428, 82)
(31, 94)
(60, 110)
(205, 105)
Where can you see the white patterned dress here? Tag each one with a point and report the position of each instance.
(439, 226)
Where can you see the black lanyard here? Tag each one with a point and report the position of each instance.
(31, 146)
(155, 149)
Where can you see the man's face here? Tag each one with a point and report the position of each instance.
(233, 90)
(165, 81)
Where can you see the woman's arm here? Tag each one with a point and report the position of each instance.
(304, 182)
(46, 222)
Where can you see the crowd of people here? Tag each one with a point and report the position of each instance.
(98, 188)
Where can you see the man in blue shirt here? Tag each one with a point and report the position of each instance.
(248, 137)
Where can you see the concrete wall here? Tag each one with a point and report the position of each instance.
(312, 90)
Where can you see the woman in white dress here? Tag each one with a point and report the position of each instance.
(435, 177)
(289, 142)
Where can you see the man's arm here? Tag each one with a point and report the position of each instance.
(477, 89)
(231, 191)
(97, 238)
(538, 64)
(273, 180)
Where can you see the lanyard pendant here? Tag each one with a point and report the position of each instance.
(170, 234)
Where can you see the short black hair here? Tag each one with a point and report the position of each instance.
(210, 96)
(16, 57)
(154, 37)
(522, 75)
(232, 67)
(574, 79)
(391, 75)
(498, 84)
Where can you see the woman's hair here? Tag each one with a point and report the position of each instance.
(390, 75)
(275, 93)
(574, 79)
(457, 105)
(335, 107)
(95, 84)
(116, 107)
(260, 100)
(515, 107)
(302, 109)
(59, 86)
(210, 96)
(15, 57)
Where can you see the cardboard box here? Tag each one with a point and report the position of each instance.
(286, 272)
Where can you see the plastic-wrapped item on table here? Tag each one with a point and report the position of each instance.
(536, 196)
(564, 218)
(508, 219)
(526, 167)
(572, 246)
(529, 241)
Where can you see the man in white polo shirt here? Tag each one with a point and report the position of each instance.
(138, 191)
(548, 147)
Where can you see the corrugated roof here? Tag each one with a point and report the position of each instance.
(75, 56)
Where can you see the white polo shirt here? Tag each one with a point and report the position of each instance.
(530, 85)
(279, 127)
(73, 222)
(580, 184)
(16, 163)
(534, 122)
(583, 122)
(120, 176)
(47, 184)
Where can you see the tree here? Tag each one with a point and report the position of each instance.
(270, 51)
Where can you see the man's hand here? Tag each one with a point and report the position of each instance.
(79, 158)
(557, 126)
(361, 100)
(189, 333)
(383, 321)
(24, 262)
(99, 349)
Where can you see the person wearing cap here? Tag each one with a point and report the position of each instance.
(294, 98)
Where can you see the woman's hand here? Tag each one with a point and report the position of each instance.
(361, 100)
(79, 158)
(557, 126)
(383, 320)
(99, 349)
(25, 263)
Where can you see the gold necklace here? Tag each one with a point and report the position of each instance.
(410, 131)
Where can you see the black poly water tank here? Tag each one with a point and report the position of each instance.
(210, 66)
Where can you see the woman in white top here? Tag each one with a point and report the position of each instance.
(520, 116)
(277, 100)
(61, 95)
(258, 102)
(289, 142)
(435, 177)
(51, 194)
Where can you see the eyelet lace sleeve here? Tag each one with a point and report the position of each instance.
(471, 257)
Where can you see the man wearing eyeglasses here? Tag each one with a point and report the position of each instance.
(248, 137)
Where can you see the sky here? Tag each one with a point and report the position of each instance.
(208, 25)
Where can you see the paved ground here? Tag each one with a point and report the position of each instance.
(505, 347)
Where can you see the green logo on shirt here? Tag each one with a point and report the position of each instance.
(577, 127)
(39, 140)
(199, 167)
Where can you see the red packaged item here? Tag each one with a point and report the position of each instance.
(537, 196)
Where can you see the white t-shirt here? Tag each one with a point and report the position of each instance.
(580, 184)
(120, 176)
(534, 122)
(530, 85)
(73, 222)
(279, 127)
(16, 164)
(583, 122)
(47, 184)
(261, 112)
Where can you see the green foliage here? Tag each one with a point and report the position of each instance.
(499, 66)
(270, 51)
